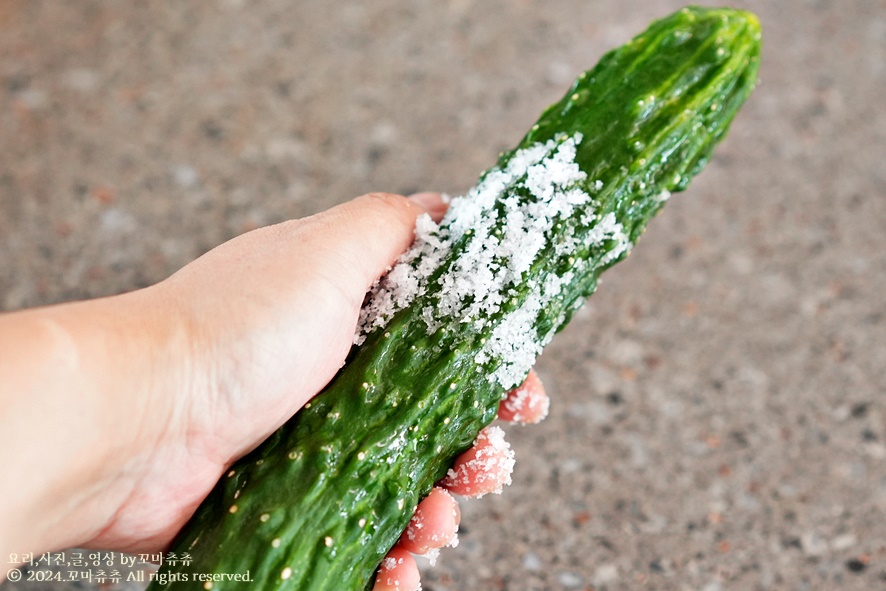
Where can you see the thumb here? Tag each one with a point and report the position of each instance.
(276, 308)
(363, 238)
(270, 315)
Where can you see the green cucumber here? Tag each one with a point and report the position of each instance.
(464, 314)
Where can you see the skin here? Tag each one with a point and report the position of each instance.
(118, 415)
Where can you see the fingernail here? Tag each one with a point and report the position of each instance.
(435, 204)
(428, 200)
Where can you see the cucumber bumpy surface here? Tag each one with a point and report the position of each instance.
(463, 315)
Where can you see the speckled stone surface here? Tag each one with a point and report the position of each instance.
(718, 417)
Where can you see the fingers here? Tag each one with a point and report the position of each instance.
(434, 203)
(434, 524)
(485, 468)
(366, 235)
(397, 572)
(527, 404)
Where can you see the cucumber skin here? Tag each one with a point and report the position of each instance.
(320, 503)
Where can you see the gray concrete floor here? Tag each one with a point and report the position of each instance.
(718, 415)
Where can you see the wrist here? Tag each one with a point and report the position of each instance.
(88, 399)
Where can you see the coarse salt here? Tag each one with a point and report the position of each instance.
(499, 228)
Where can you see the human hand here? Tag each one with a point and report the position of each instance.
(213, 360)
(484, 468)
(336, 243)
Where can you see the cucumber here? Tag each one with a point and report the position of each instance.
(463, 315)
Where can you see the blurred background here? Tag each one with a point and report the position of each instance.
(718, 417)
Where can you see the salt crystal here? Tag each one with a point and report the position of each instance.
(494, 460)
(500, 227)
(389, 563)
(453, 543)
(527, 400)
(492, 464)
(432, 555)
